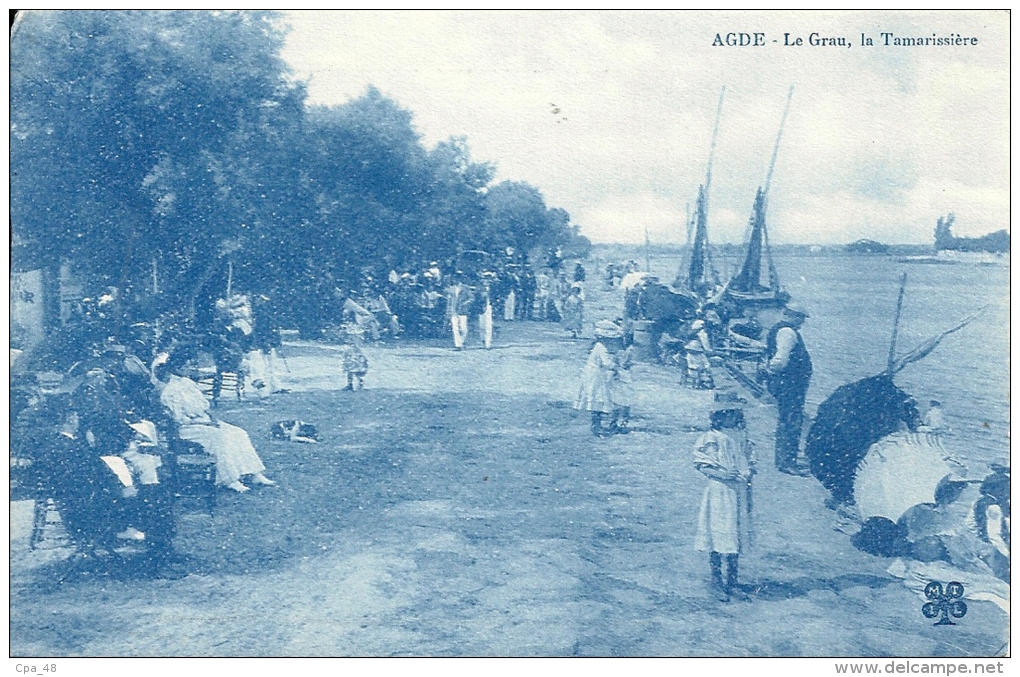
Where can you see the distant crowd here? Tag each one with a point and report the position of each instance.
(111, 420)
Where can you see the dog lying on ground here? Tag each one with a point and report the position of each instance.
(294, 431)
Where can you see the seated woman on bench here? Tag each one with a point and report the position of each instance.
(229, 445)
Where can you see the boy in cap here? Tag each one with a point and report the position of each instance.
(697, 349)
(724, 456)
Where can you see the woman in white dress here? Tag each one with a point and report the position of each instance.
(723, 455)
(235, 456)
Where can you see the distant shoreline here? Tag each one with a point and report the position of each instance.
(789, 249)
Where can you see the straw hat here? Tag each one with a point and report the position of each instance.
(796, 309)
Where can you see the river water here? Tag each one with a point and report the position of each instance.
(852, 301)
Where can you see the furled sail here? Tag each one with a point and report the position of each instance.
(699, 276)
(757, 283)
(750, 281)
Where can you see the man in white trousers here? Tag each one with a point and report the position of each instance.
(459, 298)
(484, 301)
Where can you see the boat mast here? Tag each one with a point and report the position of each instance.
(773, 276)
(700, 268)
(748, 280)
(775, 150)
(711, 150)
(896, 324)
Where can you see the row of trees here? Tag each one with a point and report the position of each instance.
(149, 148)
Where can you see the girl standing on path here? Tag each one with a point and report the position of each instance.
(595, 394)
(724, 456)
(354, 362)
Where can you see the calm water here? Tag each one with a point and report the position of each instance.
(852, 300)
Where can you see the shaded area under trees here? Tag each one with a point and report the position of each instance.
(149, 149)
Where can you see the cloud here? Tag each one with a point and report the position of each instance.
(877, 139)
(626, 218)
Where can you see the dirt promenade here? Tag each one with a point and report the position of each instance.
(459, 506)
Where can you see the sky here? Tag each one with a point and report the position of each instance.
(610, 114)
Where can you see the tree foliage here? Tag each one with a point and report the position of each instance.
(175, 141)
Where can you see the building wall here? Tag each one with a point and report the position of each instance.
(26, 308)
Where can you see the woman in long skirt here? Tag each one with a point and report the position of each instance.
(229, 445)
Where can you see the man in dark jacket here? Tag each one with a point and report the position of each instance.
(788, 367)
(94, 499)
(527, 294)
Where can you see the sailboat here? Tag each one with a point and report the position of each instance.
(757, 285)
(699, 277)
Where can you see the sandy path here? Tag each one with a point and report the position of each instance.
(457, 506)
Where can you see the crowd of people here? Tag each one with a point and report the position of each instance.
(431, 302)
(133, 399)
(112, 428)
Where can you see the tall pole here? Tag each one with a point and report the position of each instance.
(688, 223)
(775, 151)
(648, 258)
(711, 149)
(896, 323)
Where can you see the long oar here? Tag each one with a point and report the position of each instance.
(743, 379)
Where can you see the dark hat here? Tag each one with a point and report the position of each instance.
(883, 537)
(727, 418)
(996, 485)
